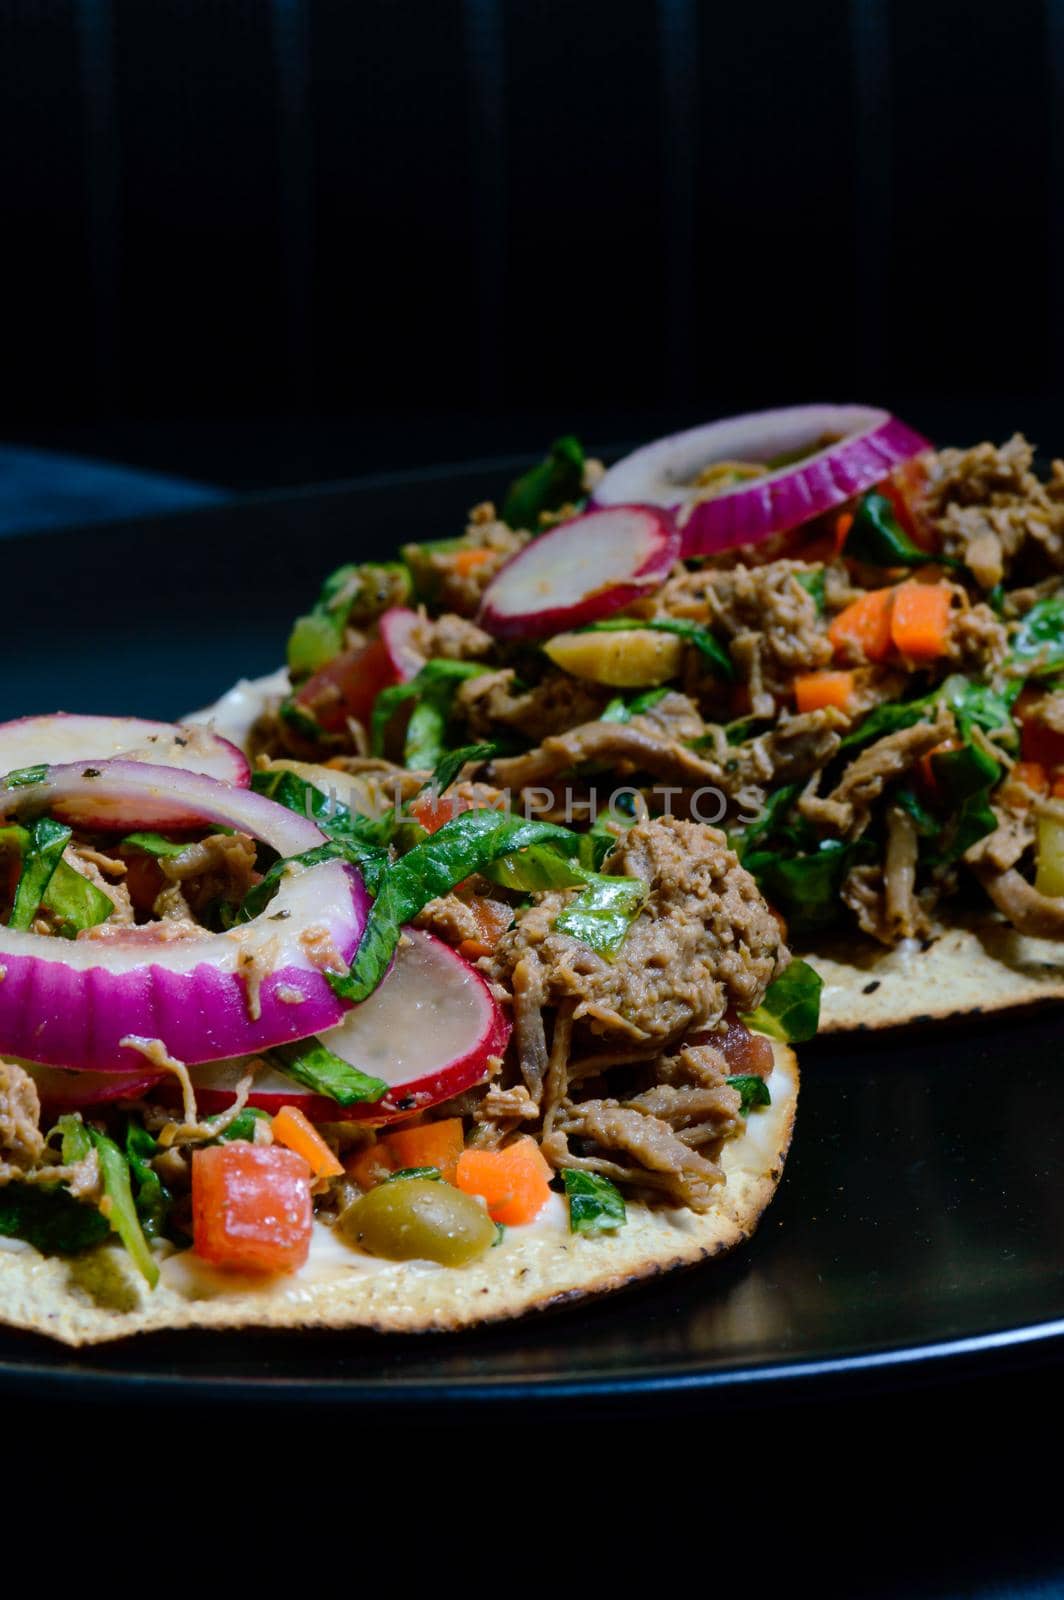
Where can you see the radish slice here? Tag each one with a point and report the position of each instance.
(40, 741)
(581, 571)
(866, 444)
(427, 1031)
(398, 628)
(71, 1003)
(65, 1091)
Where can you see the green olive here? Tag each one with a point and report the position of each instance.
(419, 1219)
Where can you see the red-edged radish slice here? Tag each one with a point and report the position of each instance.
(74, 1003)
(580, 571)
(63, 739)
(850, 448)
(398, 628)
(428, 1031)
(68, 1091)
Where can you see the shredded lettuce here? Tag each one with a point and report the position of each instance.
(602, 913)
(314, 1065)
(1037, 646)
(432, 692)
(790, 1009)
(118, 1204)
(467, 844)
(555, 482)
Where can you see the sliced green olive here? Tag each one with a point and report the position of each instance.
(419, 1219)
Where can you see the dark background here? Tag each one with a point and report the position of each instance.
(267, 241)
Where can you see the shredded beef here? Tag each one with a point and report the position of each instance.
(847, 808)
(549, 707)
(662, 1159)
(21, 1140)
(621, 747)
(704, 941)
(988, 508)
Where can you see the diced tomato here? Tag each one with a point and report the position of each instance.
(1057, 790)
(251, 1207)
(514, 1181)
(905, 490)
(747, 1054)
(144, 879)
(928, 781)
(1038, 742)
(347, 686)
(1032, 774)
(433, 810)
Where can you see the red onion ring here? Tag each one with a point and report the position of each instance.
(870, 443)
(69, 1004)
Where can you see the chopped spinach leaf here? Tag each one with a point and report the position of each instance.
(48, 1217)
(413, 1172)
(1037, 645)
(595, 1204)
(877, 538)
(753, 1091)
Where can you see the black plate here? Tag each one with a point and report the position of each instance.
(920, 1223)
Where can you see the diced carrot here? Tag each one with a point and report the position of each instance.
(251, 1206)
(1032, 774)
(291, 1127)
(814, 691)
(864, 626)
(466, 561)
(369, 1166)
(513, 1181)
(431, 1144)
(841, 530)
(919, 623)
(1057, 790)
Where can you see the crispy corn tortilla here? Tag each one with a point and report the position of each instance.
(98, 1296)
(978, 965)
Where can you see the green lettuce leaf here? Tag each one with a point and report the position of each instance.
(790, 1009)
(314, 1065)
(1037, 646)
(595, 1204)
(603, 912)
(753, 1091)
(466, 844)
(554, 482)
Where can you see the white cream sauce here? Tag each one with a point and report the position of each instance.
(237, 711)
(331, 1259)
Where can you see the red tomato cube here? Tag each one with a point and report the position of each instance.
(251, 1207)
